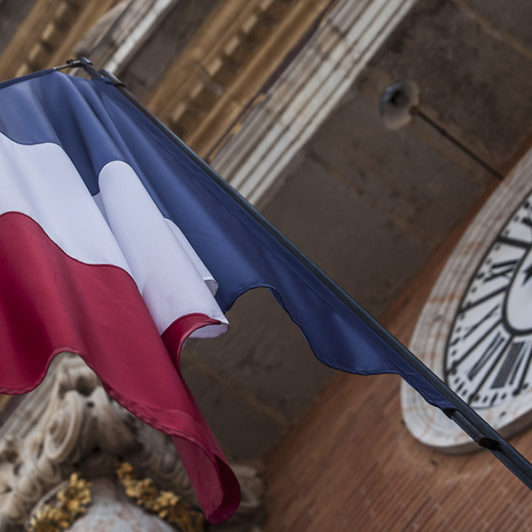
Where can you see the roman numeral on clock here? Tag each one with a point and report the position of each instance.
(475, 326)
(469, 305)
(510, 366)
(514, 242)
(527, 221)
(503, 268)
(497, 345)
(475, 346)
(470, 329)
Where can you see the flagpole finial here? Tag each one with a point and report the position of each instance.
(84, 63)
(80, 62)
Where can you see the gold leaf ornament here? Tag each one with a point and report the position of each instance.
(71, 502)
(165, 504)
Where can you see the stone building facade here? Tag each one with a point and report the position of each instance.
(282, 98)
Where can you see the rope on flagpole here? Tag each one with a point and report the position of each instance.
(462, 414)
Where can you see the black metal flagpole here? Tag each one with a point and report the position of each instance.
(461, 413)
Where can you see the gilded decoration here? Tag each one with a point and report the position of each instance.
(165, 504)
(70, 503)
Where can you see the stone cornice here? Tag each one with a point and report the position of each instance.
(225, 65)
(48, 34)
(113, 40)
(307, 91)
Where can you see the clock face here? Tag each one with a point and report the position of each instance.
(489, 348)
(475, 331)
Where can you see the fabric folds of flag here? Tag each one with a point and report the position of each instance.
(117, 245)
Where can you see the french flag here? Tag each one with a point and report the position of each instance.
(89, 264)
(117, 243)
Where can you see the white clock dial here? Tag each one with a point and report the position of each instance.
(489, 348)
(475, 331)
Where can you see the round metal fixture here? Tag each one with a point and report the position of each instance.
(398, 103)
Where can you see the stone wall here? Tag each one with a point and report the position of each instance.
(370, 205)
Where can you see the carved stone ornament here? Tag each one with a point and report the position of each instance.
(70, 425)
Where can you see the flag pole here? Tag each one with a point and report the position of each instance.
(462, 414)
